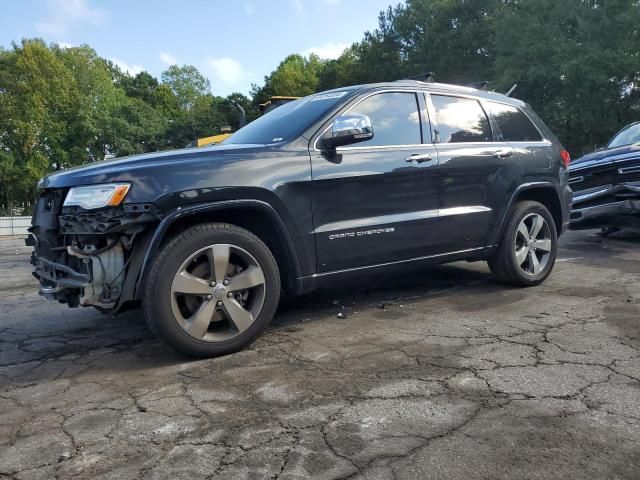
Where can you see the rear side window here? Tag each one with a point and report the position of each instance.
(394, 118)
(460, 120)
(514, 125)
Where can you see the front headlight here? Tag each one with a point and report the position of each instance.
(97, 196)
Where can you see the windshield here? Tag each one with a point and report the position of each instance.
(627, 136)
(288, 120)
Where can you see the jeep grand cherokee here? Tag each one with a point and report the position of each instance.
(344, 182)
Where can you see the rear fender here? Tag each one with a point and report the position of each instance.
(522, 189)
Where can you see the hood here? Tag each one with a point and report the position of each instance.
(123, 168)
(625, 152)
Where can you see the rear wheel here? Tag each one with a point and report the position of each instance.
(527, 251)
(212, 290)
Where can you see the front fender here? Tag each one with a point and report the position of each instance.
(182, 212)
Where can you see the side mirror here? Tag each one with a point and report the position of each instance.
(348, 129)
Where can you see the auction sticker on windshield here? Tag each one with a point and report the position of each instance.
(327, 96)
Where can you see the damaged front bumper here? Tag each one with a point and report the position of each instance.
(607, 206)
(85, 257)
(96, 280)
(55, 276)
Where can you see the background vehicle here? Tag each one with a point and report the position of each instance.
(225, 132)
(403, 173)
(606, 184)
(275, 102)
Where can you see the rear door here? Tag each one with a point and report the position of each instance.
(513, 126)
(474, 172)
(368, 207)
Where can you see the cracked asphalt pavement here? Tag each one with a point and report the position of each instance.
(440, 373)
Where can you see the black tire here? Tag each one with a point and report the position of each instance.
(157, 295)
(503, 263)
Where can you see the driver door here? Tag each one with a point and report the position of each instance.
(373, 202)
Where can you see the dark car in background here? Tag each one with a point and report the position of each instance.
(606, 184)
(337, 184)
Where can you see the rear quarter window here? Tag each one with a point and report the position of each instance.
(512, 123)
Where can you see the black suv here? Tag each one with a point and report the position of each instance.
(344, 182)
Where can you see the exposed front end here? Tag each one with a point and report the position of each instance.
(82, 256)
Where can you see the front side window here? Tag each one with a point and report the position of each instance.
(460, 120)
(394, 118)
(512, 123)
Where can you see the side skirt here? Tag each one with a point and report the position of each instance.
(311, 282)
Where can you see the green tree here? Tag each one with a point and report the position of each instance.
(187, 84)
(138, 128)
(202, 120)
(165, 101)
(35, 101)
(96, 101)
(245, 102)
(295, 76)
(142, 86)
(575, 62)
(341, 71)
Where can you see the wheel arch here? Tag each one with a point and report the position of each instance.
(543, 192)
(257, 216)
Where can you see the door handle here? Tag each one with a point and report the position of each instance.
(419, 158)
(503, 153)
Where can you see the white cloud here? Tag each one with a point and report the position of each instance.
(332, 2)
(327, 51)
(65, 45)
(168, 59)
(125, 67)
(226, 70)
(64, 14)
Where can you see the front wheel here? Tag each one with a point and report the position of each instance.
(527, 251)
(212, 290)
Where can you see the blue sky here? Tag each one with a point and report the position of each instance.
(234, 43)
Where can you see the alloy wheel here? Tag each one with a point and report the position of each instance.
(218, 292)
(533, 244)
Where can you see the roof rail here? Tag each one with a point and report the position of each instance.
(423, 77)
(479, 85)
